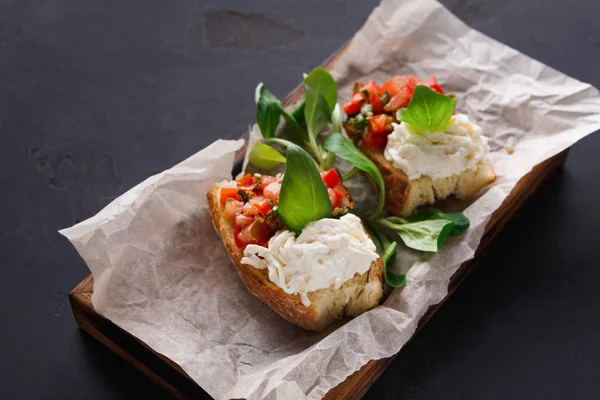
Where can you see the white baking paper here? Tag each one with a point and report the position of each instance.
(161, 273)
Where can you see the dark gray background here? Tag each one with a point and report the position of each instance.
(97, 95)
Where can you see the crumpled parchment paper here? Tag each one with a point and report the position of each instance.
(161, 273)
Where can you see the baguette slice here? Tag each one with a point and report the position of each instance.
(354, 297)
(404, 196)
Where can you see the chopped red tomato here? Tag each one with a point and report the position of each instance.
(236, 237)
(264, 181)
(231, 208)
(372, 93)
(396, 84)
(371, 89)
(250, 210)
(271, 191)
(377, 104)
(255, 233)
(401, 89)
(357, 86)
(378, 123)
(335, 196)
(242, 220)
(246, 180)
(332, 198)
(331, 178)
(354, 105)
(262, 205)
(378, 140)
(227, 193)
(432, 83)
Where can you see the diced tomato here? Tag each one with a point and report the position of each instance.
(396, 84)
(372, 89)
(250, 210)
(432, 83)
(246, 180)
(378, 140)
(265, 180)
(378, 123)
(332, 198)
(401, 89)
(377, 104)
(242, 220)
(236, 237)
(354, 105)
(227, 193)
(357, 86)
(331, 178)
(255, 233)
(271, 191)
(262, 205)
(231, 208)
(335, 196)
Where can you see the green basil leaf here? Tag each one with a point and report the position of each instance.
(265, 156)
(336, 119)
(461, 223)
(428, 109)
(386, 248)
(298, 113)
(425, 235)
(297, 130)
(268, 110)
(347, 151)
(303, 197)
(389, 249)
(320, 100)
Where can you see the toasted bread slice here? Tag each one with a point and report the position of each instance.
(404, 196)
(352, 298)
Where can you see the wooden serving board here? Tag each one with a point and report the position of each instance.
(171, 377)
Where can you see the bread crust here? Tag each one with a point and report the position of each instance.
(358, 294)
(404, 196)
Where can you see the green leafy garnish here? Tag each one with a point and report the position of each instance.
(321, 96)
(298, 113)
(461, 223)
(268, 110)
(428, 109)
(265, 156)
(320, 101)
(303, 197)
(243, 195)
(427, 235)
(347, 151)
(386, 248)
(336, 119)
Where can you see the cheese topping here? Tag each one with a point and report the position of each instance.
(460, 147)
(327, 252)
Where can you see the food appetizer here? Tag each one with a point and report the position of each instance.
(425, 153)
(330, 269)
(295, 238)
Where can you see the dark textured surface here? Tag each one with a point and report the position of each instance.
(97, 95)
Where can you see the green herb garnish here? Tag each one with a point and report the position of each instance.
(268, 110)
(427, 109)
(426, 235)
(265, 156)
(243, 195)
(303, 197)
(347, 151)
(386, 248)
(461, 223)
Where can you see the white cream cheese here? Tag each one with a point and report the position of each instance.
(327, 252)
(460, 147)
